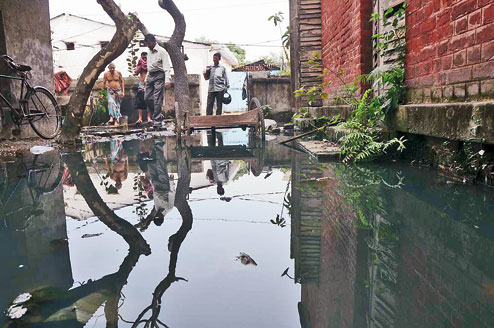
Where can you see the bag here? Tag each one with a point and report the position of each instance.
(226, 99)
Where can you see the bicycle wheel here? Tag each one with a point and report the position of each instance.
(46, 171)
(44, 114)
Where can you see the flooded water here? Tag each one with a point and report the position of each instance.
(229, 232)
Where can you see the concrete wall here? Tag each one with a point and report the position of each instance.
(271, 90)
(26, 26)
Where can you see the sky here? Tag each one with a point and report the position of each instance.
(243, 22)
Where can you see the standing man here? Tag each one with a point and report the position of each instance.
(157, 79)
(140, 104)
(218, 84)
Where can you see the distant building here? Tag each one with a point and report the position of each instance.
(257, 66)
(24, 36)
(77, 39)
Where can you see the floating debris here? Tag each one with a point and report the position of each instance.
(245, 259)
(16, 312)
(22, 298)
(89, 235)
(36, 150)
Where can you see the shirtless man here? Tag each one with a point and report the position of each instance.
(114, 83)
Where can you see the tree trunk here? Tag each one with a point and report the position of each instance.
(126, 29)
(174, 49)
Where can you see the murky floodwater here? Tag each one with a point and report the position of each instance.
(227, 233)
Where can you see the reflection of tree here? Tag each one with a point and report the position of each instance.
(48, 304)
(82, 180)
(174, 242)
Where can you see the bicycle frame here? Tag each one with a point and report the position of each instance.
(18, 111)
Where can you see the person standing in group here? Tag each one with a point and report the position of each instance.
(157, 78)
(218, 85)
(114, 83)
(140, 104)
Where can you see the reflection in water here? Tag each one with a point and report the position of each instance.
(33, 238)
(390, 247)
(374, 246)
(174, 242)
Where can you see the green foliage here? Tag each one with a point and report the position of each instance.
(301, 113)
(392, 41)
(267, 110)
(133, 50)
(238, 52)
(277, 19)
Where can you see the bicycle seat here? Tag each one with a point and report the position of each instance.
(22, 68)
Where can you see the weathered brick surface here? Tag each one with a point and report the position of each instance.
(450, 43)
(346, 40)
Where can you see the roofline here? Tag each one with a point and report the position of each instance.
(88, 19)
(112, 25)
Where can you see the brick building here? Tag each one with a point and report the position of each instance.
(449, 59)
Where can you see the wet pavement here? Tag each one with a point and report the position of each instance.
(230, 232)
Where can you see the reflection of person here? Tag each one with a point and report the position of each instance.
(220, 169)
(163, 188)
(218, 84)
(114, 83)
(219, 174)
(118, 166)
(140, 104)
(157, 78)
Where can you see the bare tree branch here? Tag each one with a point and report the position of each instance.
(126, 29)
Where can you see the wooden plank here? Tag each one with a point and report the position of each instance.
(249, 118)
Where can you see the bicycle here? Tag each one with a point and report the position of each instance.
(37, 105)
(38, 174)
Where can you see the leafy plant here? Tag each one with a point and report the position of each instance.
(132, 58)
(267, 110)
(277, 19)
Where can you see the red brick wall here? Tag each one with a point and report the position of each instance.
(346, 40)
(450, 50)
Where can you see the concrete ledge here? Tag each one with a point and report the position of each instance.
(472, 121)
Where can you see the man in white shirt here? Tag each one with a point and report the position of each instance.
(157, 79)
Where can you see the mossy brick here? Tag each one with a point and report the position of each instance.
(487, 88)
(460, 91)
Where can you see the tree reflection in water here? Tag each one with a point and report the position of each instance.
(50, 304)
(174, 242)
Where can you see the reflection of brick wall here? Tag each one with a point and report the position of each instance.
(331, 302)
(441, 283)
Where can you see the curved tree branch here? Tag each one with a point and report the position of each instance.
(126, 29)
